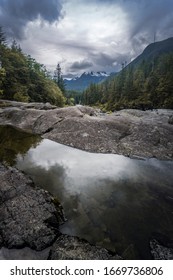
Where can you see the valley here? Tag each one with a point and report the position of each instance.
(86, 163)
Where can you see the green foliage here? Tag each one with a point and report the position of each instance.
(71, 101)
(2, 78)
(22, 78)
(145, 86)
(21, 97)
(2, 37)
(93, 94)
(58, 79)
(73, 97)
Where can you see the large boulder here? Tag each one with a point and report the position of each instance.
(28, 214)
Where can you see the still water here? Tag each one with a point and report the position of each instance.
(110, 200)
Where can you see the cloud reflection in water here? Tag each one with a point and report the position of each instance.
(110, 200)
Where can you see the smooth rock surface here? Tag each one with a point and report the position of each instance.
(127, 132)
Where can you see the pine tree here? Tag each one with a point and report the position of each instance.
(59, 79)
(16, 47)
(2, 37)
(22, 78)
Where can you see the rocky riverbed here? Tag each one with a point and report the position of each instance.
(126, 132)
(29, 216)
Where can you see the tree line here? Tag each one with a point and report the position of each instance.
(149, 84)
(144, 86)
(22, 78)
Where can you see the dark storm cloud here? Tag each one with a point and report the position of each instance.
(104, 1)
(149, 16)
(130, 25)
(147, 20)
(15, 14)
(80, 65)
(105, 60)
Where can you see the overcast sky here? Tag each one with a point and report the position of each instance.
(86, 35)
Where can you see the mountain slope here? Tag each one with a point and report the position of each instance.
(147, 82)
(87, 78)
(154, 50)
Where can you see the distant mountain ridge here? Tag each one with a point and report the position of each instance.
(145, 83)
(153, 50)
(80, 83)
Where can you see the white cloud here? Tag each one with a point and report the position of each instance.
(100, 33)
(84, 31)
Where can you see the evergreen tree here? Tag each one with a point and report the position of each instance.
(2, 78)
(59, 79)
(140, 87)
(22, 78)
(15, 46)
(2, 37)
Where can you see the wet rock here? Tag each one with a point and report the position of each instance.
(24, 254)
(1, 241)
(130, 253)
(29, 223)
(72, 248)
(170, 120)
(25, 212)
(160, 252)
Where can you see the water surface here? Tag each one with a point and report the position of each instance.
(110, 200)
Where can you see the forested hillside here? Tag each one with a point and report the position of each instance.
(145, 83)
(23, 79)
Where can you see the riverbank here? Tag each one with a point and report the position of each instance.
(30, 220)
(29, 226)
(132, 133)
(29, 223)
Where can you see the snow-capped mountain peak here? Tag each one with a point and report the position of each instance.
(96, 74)
(80, 83)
